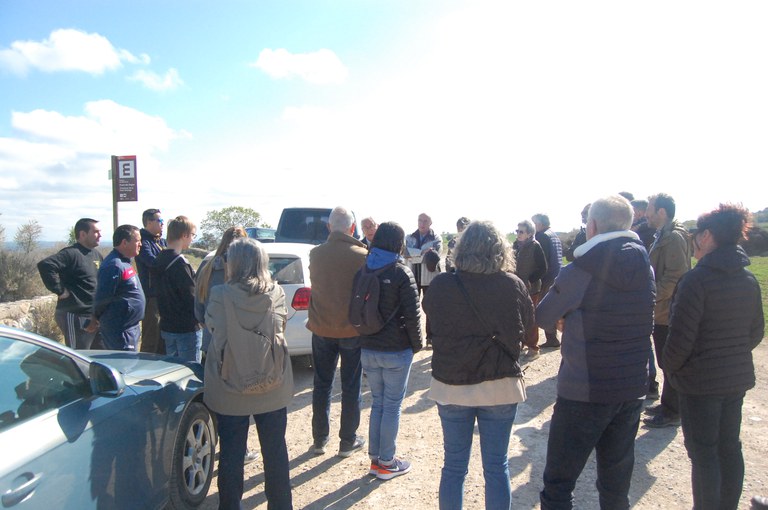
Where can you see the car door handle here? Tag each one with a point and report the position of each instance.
(15, 496)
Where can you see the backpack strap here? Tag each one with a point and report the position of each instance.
(177, 257)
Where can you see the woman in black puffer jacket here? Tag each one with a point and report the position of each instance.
(716, 320)
(386, 356)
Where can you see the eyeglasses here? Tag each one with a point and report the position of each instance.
(159, 220)
(518, 231)
(194, 235)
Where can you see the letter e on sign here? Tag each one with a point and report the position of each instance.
(127, 170)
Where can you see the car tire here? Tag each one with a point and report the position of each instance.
(193, 458)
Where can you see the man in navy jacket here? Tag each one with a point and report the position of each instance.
(606, 296)
(119, 301)
(152, 243)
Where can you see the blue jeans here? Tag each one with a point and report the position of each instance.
(185, 346)
(711, 427)
(233, 438)
(495, 425)
(387, 374)
(325, 355)
(575, 430)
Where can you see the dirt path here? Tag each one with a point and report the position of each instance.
(661, 477)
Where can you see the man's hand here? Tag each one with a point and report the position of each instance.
(93, 325)
(64, 295)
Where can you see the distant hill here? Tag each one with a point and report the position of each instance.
(10, 245)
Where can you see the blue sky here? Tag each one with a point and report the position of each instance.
(491, 110)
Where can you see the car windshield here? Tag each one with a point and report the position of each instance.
(305, 225)
(286, 270)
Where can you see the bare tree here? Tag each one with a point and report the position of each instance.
(27, 236)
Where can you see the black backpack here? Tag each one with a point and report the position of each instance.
(364, 314)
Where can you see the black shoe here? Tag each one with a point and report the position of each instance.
(662, 420)
(653, 392)
(551, 342)
(318, 447)
(346, 449)
(654, 410)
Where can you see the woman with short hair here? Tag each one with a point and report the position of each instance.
(479, 315)
(716, 320)
(249, 301)
(530, 266)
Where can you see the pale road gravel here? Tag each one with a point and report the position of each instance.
(661, 476)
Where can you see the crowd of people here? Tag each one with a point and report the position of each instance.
(627, 302)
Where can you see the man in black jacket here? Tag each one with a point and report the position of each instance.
(175, 280)
(71, 274)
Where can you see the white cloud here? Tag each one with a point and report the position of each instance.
(320, 67)
(106, 128)
(57, 165)
(153, 81)
(67, 50)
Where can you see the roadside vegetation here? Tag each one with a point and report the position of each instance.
(19, 278)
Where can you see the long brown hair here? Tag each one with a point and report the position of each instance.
(202, 286)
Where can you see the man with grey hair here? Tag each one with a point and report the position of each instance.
(606, 296)
(332, 268)
(369, 226)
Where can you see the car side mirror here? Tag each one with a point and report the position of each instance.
(105, 380)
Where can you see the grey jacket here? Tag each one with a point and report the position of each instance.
(250, 310)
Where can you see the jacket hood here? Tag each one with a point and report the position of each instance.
(614, 260)
(250, 309)
(726, 258)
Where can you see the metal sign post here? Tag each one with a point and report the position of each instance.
(124, 183)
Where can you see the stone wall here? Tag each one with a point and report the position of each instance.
(18, 314)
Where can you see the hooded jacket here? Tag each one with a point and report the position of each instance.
(717, 319)
(398, 295)
(174, 281)
(606, 296)
(250, 311)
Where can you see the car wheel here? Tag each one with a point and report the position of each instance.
(193, 456)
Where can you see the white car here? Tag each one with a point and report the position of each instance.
(289, 265)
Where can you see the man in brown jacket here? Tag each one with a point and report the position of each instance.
(670, 256)
(332, 268)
